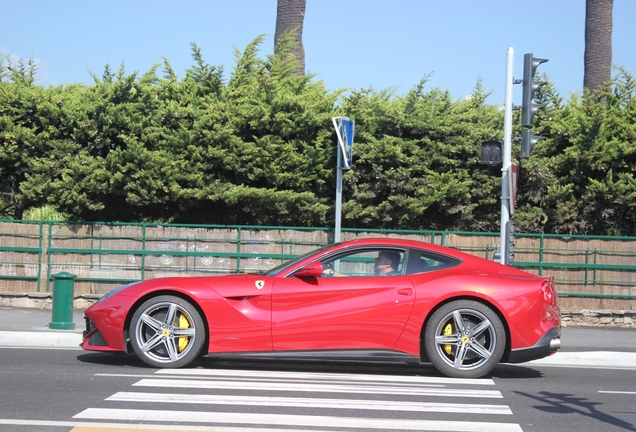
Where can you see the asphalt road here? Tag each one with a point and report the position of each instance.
(47, 384)
(55, 390)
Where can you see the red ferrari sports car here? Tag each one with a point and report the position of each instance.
(362, 300)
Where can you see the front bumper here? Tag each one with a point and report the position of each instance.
(546, 346)
(93, 339)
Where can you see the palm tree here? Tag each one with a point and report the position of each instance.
(290, 15)
(598, 44)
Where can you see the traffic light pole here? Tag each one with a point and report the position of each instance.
(507, 155)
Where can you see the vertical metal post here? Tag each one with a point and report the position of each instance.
(143, 255)
(338, 196)
(507, 154)
(40, 254)
(541, 249)
(49, 243)
(238, 249)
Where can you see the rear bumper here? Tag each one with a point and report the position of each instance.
(547, 345)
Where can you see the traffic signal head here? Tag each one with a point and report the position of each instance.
(528, 142)
(509, 232)
(491, 152)
(528, 108)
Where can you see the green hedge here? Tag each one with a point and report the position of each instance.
(257, 146)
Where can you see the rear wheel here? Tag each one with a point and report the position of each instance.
(167, 332)
(465, 339)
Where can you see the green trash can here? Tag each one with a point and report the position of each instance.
(63, 294)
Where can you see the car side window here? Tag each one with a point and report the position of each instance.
(421, 261)
(365, 263)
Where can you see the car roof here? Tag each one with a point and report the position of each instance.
(405, 243)
(466, 258)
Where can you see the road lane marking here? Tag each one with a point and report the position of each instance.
(271, 401)
(295, 420)
(334, 376)
(263, 382)
(132, 428)
(305, 387)
(119, 427)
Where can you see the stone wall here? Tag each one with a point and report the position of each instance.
(44, 300)
(599, 318)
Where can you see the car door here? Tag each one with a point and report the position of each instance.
(356, 311)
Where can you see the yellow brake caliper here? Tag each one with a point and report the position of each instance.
(183, 323)
(448, 330)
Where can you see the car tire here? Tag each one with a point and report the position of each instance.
(167, 332)
(464, 339)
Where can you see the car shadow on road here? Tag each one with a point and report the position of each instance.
(276, 365)
(111, 359)
(503, 371)
(323, 366)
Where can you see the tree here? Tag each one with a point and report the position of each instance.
(257, 148)
(587, 166)
(598, 44)
(416, 161)
(289, 18)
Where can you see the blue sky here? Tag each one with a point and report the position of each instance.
(348, 43)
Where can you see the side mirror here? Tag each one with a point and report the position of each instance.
(313, 269)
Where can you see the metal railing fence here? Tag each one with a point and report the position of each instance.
(104, 255)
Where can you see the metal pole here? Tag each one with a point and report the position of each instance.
(507, 153)
(338, 195)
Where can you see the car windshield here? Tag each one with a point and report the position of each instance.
(278, 269)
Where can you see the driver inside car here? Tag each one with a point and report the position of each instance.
(386, 264)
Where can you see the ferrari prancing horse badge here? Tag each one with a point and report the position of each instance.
(260, 284)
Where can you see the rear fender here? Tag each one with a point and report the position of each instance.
(490, 305)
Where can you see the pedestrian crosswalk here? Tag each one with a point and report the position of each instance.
(271, 401)
(249, 400)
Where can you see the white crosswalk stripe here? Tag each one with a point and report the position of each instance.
(312, 376)
(296, 420)
(309, 402)
(304, 387)
(234, 400)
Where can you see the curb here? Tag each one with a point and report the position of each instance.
(46, 339)
(589, 359)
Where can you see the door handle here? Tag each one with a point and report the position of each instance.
(405, 291)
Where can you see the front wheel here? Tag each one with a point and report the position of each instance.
(465, 339)
(167, 332)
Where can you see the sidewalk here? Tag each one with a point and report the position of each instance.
(30, 328)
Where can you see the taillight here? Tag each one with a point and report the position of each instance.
(549, 293)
